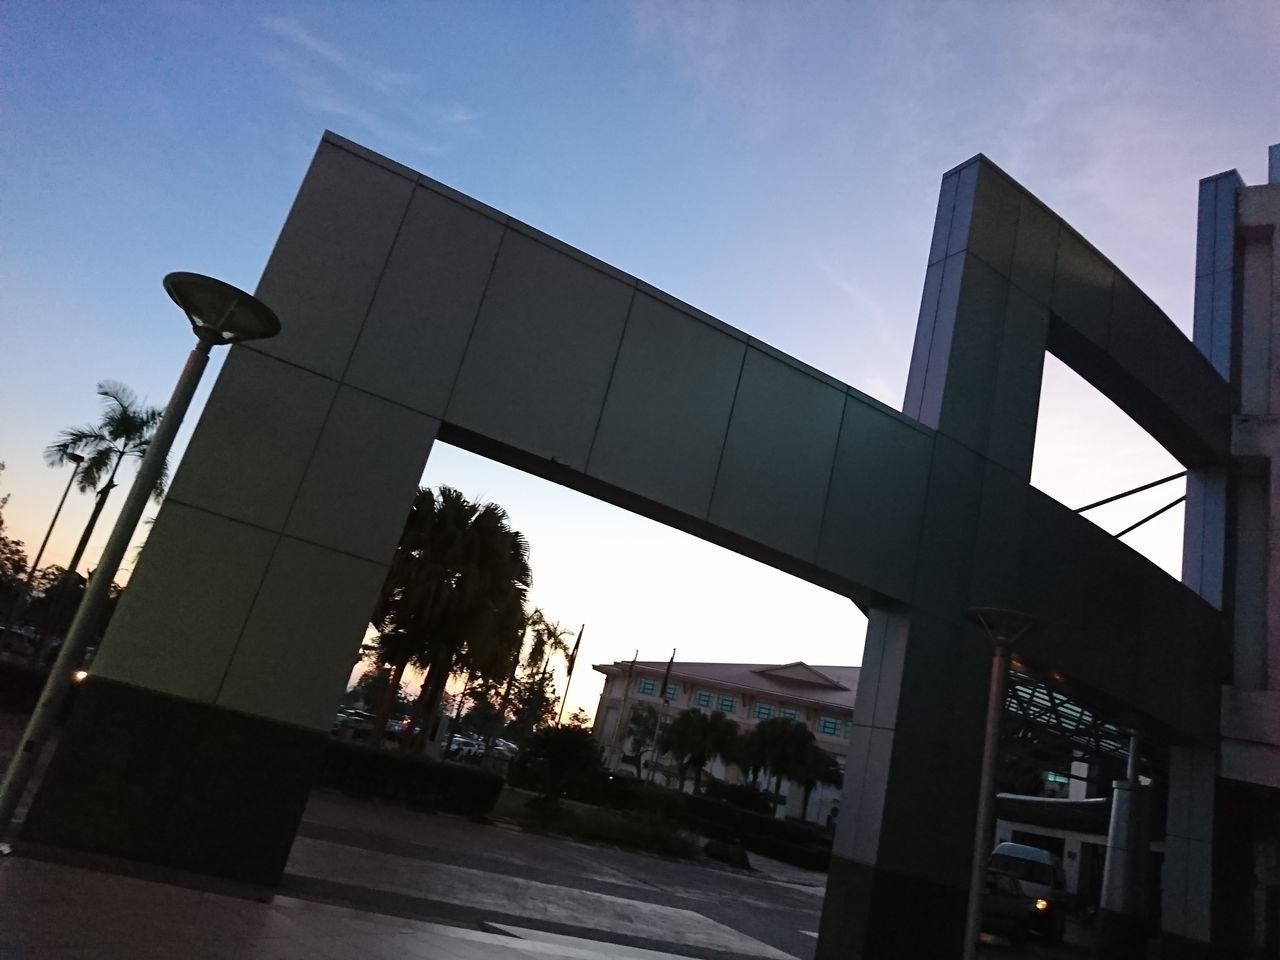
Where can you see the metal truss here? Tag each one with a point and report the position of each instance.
(1037, 705)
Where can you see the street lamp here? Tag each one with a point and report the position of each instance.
(219, 313)
(1003, 628)
(21, 603)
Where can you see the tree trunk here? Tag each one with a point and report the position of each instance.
(804, 813)
(777, 788)
(697, 780)
(429, 697)
(384, 708)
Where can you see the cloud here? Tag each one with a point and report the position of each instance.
(369, 74)
(380, 101)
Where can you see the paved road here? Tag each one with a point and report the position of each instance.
(444, 867)
(494, 876)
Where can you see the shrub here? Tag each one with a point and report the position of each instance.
(411, 780)
(644, 833)
(740, 795)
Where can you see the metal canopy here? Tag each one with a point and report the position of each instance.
(1038, 704)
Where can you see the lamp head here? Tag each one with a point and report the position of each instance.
(219, 312)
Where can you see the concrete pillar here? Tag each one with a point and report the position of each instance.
(1122, 918)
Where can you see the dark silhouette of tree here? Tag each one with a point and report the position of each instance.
(453, 599)
(374, 686)
(124, 432)
(642, 728)
(563, 751)
(815, 766)
(694, 738)
(13, 563)
(579, 718)
(777, 744)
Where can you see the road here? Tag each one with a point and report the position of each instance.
(444, 868)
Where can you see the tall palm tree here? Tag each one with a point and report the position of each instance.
(454, 595)
(642, 727)
(124, 432)
(780, 742)
(695, 738)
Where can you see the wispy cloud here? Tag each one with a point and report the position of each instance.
(382, 101)
(369, 74)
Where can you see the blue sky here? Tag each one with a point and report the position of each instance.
(774, 164)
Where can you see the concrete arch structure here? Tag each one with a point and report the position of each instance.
(411, 313)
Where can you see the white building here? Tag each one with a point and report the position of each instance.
(819, 697)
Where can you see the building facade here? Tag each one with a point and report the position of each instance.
(819, 697)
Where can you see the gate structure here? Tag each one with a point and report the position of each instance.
(411, 312)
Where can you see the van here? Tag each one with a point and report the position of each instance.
(1043, 882)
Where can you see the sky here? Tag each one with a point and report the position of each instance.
(774, 164)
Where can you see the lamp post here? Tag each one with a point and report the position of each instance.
(219, 314)
(20, 604)
(1003, 628)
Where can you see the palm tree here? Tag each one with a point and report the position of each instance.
(694, 738)
(642, 726)
(777, 744)
(454, 595)
(123, 432)
(815, 766)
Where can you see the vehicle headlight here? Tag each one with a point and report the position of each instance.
(79, 675)
(1042, 904)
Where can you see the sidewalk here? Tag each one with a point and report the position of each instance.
(55, 912)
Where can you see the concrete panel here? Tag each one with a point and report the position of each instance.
(974, 360)
(962, 213)
(668, 407)
(923, 344)
(1082, 289)
(878, 747)
(945, 554)
(421, 319)
(1015, 405)
(326, 265)
(871, 525)
(942, 219)
(996, 577)
(880, 679)
(777, 461)
(933, 385)
(994, 225)
(251, 447)
(187, 601)
(303, 636)
(1035, 251)
(362, 476)
(539, 361)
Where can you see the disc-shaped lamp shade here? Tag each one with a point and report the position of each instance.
(220, 312)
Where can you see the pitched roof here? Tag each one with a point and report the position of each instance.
(831, 685)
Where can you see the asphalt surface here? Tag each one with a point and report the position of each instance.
(782, 912)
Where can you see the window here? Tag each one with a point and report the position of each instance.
(673, 691)
(728, 704)
(790, 713)
(648, 686)
(763, 711)
(829, 726)
(702, 698)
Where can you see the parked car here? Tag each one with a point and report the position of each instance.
(465, 746)
(1004, 907)
(359, 722)
(1044, 885)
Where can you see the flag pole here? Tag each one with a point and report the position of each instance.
(622, 712)
(573, 658)
(666, 708)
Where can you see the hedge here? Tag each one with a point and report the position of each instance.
(408, 779)
(805, 845)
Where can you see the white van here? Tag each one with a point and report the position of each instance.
(1043, 881)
